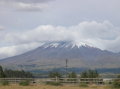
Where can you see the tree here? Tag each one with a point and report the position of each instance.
(17, 74)
(90, 74)
(118, 76)
(72, 75)
(84, 74)
(2, 75)
(55, 74)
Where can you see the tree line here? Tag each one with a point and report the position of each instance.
(84, 74)
(8, 73)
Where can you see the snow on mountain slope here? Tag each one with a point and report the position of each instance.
(64, 44)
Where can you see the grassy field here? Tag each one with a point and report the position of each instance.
(51, 87)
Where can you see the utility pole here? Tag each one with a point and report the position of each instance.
(66, 67)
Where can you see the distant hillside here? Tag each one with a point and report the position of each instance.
(53, 55)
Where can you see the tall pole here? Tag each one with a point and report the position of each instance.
(66, 67)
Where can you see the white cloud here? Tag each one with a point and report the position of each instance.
(9, 51)
(103, 35)
(30, 6)
(26, 1)
(2, 28)
(25, 5)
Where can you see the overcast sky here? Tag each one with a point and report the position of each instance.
(24, 23)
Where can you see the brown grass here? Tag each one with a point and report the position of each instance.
(51, 87)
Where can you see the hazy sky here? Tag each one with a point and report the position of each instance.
(24, 23)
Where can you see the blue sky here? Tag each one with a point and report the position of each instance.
(24, 23)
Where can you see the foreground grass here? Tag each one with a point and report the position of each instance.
(51, 87)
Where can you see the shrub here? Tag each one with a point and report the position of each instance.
(4, 83)
(53, 83)
(83, 85)
(24, 83)
(116, 84)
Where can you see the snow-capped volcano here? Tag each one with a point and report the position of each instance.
(64, 44)
(54, 54)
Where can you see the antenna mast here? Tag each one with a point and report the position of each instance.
(66, 67)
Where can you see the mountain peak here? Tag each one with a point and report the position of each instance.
(53, 54)
(64, 44)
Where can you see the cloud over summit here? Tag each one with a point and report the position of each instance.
(103, 35)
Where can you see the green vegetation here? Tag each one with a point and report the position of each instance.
(83, 85)
(17, 74)
(72, 75)
(116, 83)
(55, 74)
(53, 83)
(118, 76)
(14, 73)
(2, 75)
(4, 82)
(24, 83)
(90, 74)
